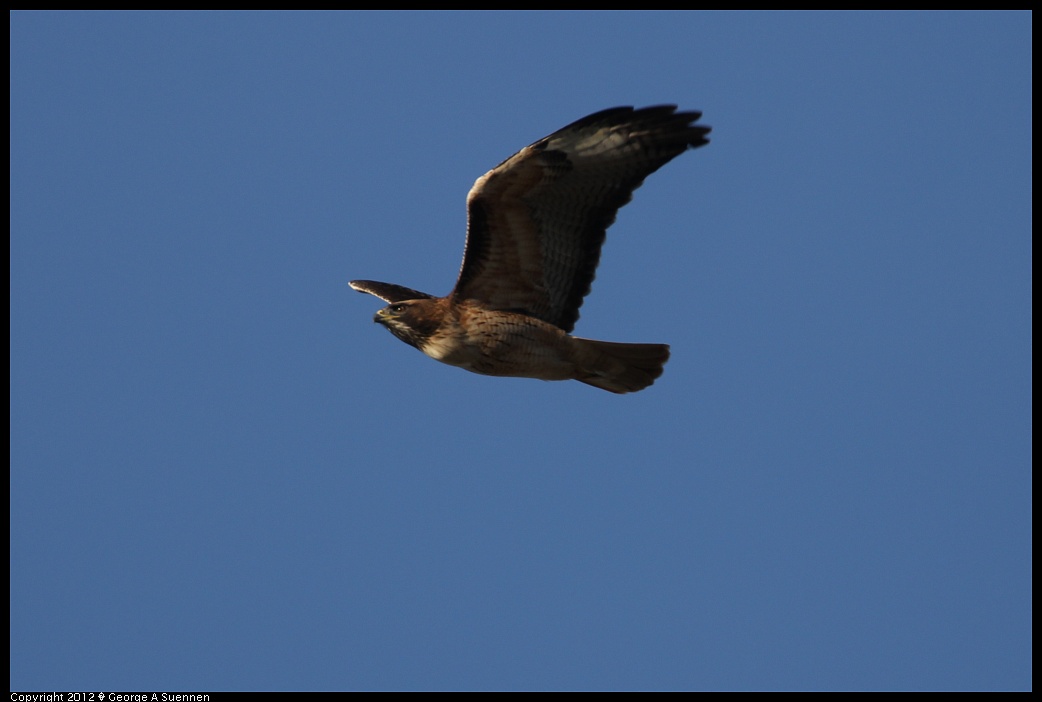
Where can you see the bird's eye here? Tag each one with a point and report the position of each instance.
(397, 308)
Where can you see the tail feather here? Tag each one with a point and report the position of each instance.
(617, 367)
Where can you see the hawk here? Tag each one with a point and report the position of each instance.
(535, 226)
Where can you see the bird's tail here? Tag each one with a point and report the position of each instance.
(619, 367)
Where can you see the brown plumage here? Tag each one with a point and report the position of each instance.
(535, 226)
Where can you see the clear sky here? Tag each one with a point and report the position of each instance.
(224, 476)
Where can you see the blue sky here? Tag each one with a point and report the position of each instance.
(224, 476)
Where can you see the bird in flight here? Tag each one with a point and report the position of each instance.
(535, 226)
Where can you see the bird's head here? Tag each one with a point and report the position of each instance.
(412, 321)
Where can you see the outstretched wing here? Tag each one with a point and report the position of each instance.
(388, 292)
(536, 222)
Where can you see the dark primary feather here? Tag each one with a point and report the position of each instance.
(388, 292)
(536, 222)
